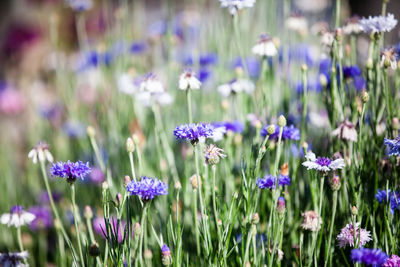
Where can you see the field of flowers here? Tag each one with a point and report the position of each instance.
(203, 133)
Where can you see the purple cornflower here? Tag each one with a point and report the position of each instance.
(208, 59)
(193, 132)
(165, 250)
(166, 255)
(138, 47)
(346, 236)
(382, 196)
(43, 220)
(288, 133)
(70, 170)
(17, 217)
(374, 257)
(147, 188)
(269, 181)
(322, 164)
(234, 126)
(393, 146)
(393, 261)
(378, 24)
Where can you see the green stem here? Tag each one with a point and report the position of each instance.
(304, 103)
(132, 166)
(215, 208)
(76, 219)
(189, 105)
(328, 251)
(337, 15)
(21, 247)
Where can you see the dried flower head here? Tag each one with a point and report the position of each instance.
(213, 154)
(312, 221)
(389, 58)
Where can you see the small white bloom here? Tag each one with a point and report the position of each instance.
(265, 46)
(15, 259)
(352, 26)
(126, 84)
(388, 58)
(235, 5)
(151, 84)
(235, 87)
(346, 131)
(188, 80)
(218, 134)
(322, 164)
(17, 217)
(41, 152)
(297, 24)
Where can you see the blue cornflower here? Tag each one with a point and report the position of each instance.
(204, 74)
(394, 201)
(393, 146)
(80, 5)
(234, 126)
(392, 197)
(374, 257)
(70, 170)
(378, 24)
(193, 132)
(208, 59)
(269, 181)
(147, 188)
(288, 133)
(137, 47)
(382, 196)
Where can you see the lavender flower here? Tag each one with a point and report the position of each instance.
(378, 24)
(70, 170)
(147, 188)
(233, 126)
(15, 259)
(322, 164)
(288, 133)
(346, 236)
(17, 217)
(235, 5)
(375, 257)
(393, 146)
(213, 154)
(166, 255)
(393, 261)
(269, 181)
(193, 132)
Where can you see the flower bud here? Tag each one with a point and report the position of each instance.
(335, 183)
(304, 67)
(127, 180)
(137, 229)
(194, 182)
(257, 124)
(396, 124)
(369, 64)
(91, 132)
(88, 213)
(105, 186)
(166, 255)
(271, 129)
(136, 139)
(281, 207)
(338, 34)
(282, 121)
(365, 96)
(354, 211)
(94, 249)
(130, 146)
(255, 219)
(323, 80)
(118, 199)
(178, 185)
(235, 195)
(148, 255)
(285, 169)
(219, 222)
(225, 104)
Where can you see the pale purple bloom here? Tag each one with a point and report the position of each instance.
(393, 261)
(378, 24)
(374, 257)
(43, 220)
(322, 164)
(165, 250)
(288, 133)
(97, 175)
(99, 226)
(147, 188)
(312, 221)
(80, 5)
(346, 131)
(346, 236)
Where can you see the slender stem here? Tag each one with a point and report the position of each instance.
(61, 248)
(132, 166)
(92, 239)
(189, 105)
(97, 154)
(21, 247)
(215, 208)
(328, 252)
(321, 190)
(76, 219)
(195, 222)
(304, 103)
(337, 17)
(142, 223)
(301, 248)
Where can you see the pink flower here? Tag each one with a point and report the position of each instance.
(392, 261)
(346, 236)
(99, 226)
(11, 101)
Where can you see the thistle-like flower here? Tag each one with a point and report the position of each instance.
(188, 80)
(147, 188)
(15, 259)
(213, 154)
(367, 256)
(378, 24)
(235, 5)
(393, 146)
(312, 221)
(70, 170)
(265, 46)
(393, 261)
(346, 236)
(389, 58)
(17, 217)
(346, 131)
(41, 152)
(194, 132)
(322, 164)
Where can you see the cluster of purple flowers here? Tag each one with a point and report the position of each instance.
(392, 197)
(147, 188)
(374, 257)
(70, 170)
(193, 132)
(288, 133)
(269, 181)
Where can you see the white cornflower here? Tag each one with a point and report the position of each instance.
(15, 259)
(17, 217)
(126, 84)
(265, 46)
(151, 84)
(346, 131)
(322, 164)
(188, 80)
(41, 151)
(352, 26)
(235, 5)
(236, 86)
(297, 24)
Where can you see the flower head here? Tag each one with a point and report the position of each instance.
(393, 146)
(80, 5)
(235, 5)
(151, 84)
(70, 170)
(352, 26)
(346, 236)
(188, 80)
(15, 259)
(288, 133)
(322, 164)
(41, 151)
(312, 221)
(367, 256)
(269, 181)
(393, 261)
(236, 86)
(213, 154)
(166, 255)
(346, 131)
(147, 188)
(17, 217)
(265, 47)
(378, 24)
(193, 132)
(389, 58)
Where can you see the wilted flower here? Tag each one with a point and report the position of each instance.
(236, 86)
(265, 47)
(235, 5)
(41, 151)
(147, 188)
(17, 217)
(213, 154)
(80, 5)
(15, 259)
(393, 146)
(281, 205)
(312, 221)
(188, 80)
(389, 58)
(378, 24)
(334, 182)
(322, 164)
(367, 256)
(352, 26)
(346, 131)
(288, 133)
(346, 236)
(193, 132)
(70, 170)
(393, 261)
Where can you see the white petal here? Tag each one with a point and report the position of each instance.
(311, 165)
(41, 155)
(5, 218)
(310, 156)
(49, 156)
(337, 164)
